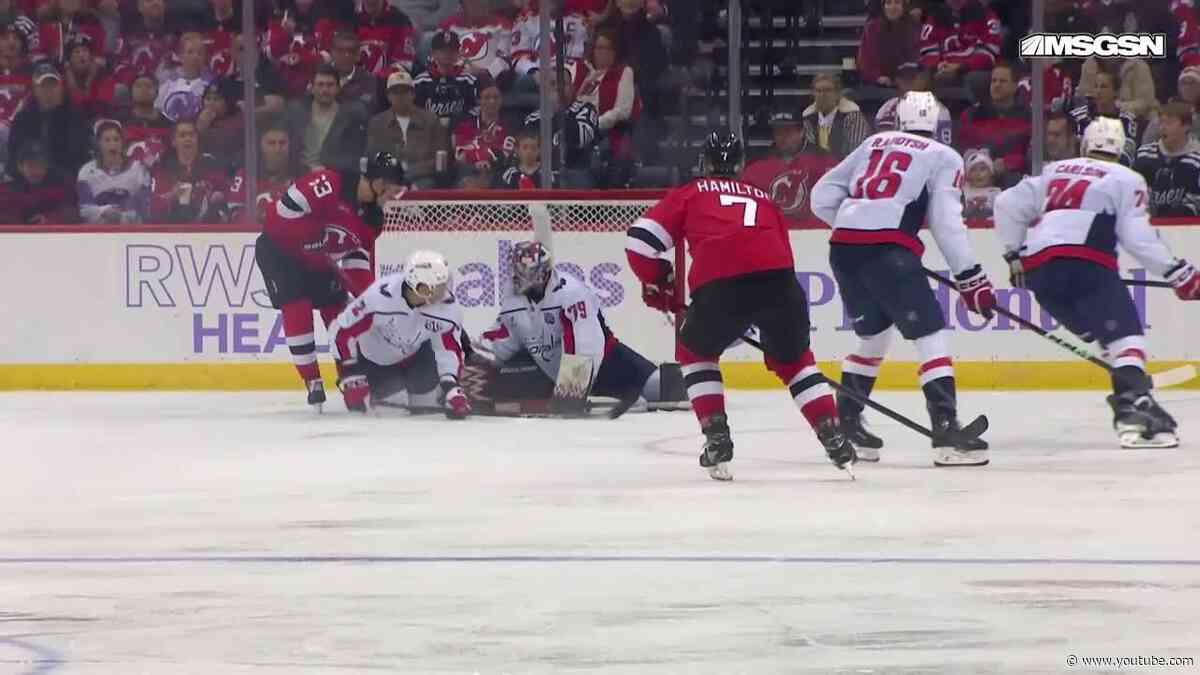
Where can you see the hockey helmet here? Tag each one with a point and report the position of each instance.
(532, 266)
(383, 165)
(1105, 136)
(917, 112)
(723, 152)
(427, 275)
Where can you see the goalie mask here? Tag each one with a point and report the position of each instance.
(532, 267)
(427, 275)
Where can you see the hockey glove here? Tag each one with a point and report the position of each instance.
(1016, 269)
(357, 392)
(976, 290)
(1185, 280)
(454, 400)
(660, 294)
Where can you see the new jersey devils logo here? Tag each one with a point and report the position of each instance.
(789, 191)
(473, 47)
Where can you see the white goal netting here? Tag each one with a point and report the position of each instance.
(561, 211)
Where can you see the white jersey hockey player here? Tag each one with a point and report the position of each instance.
(1061, 231)
(877, 200)
(549, 315)
(402, 334)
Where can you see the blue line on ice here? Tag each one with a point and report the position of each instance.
(432, 559)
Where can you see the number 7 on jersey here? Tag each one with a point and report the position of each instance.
(749, 213)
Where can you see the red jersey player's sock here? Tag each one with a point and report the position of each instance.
(702, 379)
(298, 328)
(808, 387)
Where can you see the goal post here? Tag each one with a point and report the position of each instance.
(585, 231)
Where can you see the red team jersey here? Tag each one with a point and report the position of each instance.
(731, 228)
(790, 182)
(312, 224)
(269, 191)
(386, 43)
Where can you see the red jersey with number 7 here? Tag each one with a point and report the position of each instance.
(311, 223)
(731, 228)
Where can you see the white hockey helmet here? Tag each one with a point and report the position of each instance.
(918, 111)
(1105, 136)
(427, 274)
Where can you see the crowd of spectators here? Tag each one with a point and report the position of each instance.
(130, 111)
(133, 111)
(965, 52)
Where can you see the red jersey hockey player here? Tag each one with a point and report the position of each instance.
(387, 36)
(315, 248)
(1060, 231)
(742, 275)
(402, 335)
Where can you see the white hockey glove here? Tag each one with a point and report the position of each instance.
(1186, 280)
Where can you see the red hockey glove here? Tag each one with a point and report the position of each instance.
(976, 290)
(455, 400)
(357, 392)
(660, 294)
(1185, 280)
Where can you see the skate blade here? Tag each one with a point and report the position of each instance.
(720, 472)
(849, 469)
(956, 457)
(1132, 440)
(317, 408)
(867, 454)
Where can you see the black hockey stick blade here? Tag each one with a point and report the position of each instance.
(622, 406)
(972, 431)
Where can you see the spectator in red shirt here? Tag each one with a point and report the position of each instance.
(37, 194)
(147, 45)
(299, 41)
(147, 131)
(189, 186)
(89, 86)
(888, 41)
(961, 41)
(276, 171)
(15, 84)
(482, 141)
(788, 172)
(70, 20)
(1003, 126)
(388, 38)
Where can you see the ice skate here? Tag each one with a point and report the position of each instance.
(951, 449)
(718, 448)
(316, 394)
(837, 444)
(1141, 423)
(866, 444)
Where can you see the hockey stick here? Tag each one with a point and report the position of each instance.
(1167, 378)
(1147, 283)
(970, 432)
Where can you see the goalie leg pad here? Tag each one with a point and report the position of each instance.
(623, 372)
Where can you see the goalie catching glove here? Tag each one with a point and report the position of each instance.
(454, 399)
(660, 294)
(1185, 280)
(976, 290)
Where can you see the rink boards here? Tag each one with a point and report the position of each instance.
(169, 308)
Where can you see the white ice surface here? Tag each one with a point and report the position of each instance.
(1064, 545)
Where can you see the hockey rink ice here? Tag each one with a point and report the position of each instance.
(228, 533)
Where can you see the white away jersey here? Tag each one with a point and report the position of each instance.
(567, 320)
(888, 187)
(381, 326)
(127, 191)
(1080, 208)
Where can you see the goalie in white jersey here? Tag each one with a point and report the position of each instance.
(1060, 232)
(550, 314)
(402, 335)
(876, 200)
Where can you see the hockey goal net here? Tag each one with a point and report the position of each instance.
(585, 230)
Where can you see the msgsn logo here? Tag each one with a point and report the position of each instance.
(1086, 45)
